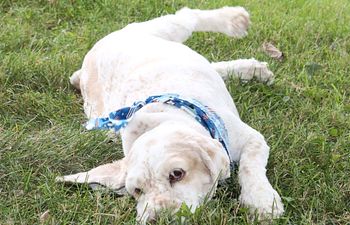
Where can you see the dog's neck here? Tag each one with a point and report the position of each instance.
(154, 115)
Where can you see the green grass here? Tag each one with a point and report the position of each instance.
(305, 115)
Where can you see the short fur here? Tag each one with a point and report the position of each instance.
(148, 58)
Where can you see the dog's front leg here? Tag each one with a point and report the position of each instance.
(249, 148)
(256, 191)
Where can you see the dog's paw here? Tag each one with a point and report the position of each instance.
(265, 202)
(263, 74)
(246, 69)
(236, 21)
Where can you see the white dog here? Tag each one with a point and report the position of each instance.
(170, 156)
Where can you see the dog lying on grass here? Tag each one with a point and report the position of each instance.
(181, 130)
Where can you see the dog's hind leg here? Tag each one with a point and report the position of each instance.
(232, 21)
(75, 79)
(256, 190)
(244, 69)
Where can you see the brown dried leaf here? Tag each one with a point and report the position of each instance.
(44, 216)
(272, 51)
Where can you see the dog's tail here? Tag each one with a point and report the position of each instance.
(75, 79)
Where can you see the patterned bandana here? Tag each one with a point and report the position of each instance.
(203, 114)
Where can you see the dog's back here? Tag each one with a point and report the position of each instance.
(125, 67)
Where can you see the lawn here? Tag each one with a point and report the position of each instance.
(305, 115)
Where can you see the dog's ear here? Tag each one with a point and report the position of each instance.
(111, 176)
(214, 157)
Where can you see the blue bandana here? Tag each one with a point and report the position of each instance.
(203, 114)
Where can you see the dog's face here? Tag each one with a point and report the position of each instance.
(165, 167)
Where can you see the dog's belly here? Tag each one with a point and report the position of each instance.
(130, 68)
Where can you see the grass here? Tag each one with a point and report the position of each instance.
(304, 115)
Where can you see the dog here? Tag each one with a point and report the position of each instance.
(172, 155)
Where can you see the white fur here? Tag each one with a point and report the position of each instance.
(145, 59)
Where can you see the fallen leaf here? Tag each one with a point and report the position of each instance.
(272, 51)
(44, 216)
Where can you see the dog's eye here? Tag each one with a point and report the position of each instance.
(176, 175)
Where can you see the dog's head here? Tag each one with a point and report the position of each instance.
(165, 167)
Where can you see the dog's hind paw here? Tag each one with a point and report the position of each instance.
(236, 21)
